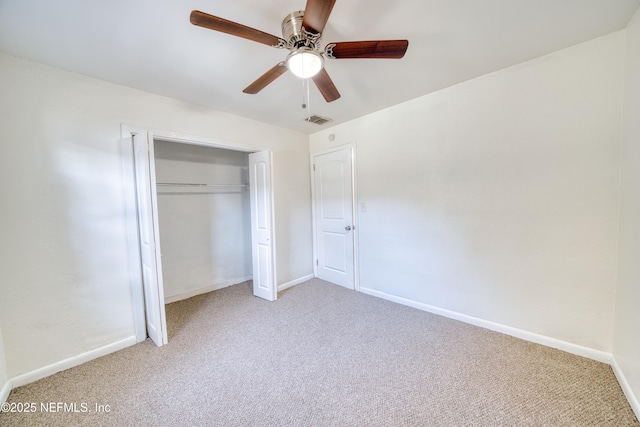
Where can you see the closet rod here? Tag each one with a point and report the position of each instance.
(182, 184)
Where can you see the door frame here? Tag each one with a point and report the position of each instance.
(354, 204)
(135, 273)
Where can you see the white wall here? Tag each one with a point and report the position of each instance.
(63, 252)
(626, 349)
(205, 232)
(498, 198)
(4, 378)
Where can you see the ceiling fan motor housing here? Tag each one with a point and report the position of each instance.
(295, 35)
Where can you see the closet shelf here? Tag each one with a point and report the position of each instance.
(183, 184)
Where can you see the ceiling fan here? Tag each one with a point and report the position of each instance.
(301, 32)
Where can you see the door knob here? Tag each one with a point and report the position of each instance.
(348, 228)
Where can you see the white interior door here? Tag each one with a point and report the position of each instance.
(262, 242)
(145, 179)
(333, 204)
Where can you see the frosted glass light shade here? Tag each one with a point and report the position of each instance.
(305, 63)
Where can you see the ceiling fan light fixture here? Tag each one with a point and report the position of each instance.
(305, 62)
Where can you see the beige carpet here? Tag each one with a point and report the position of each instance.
(325, 356)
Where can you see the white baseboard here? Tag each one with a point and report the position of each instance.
(71, 362)
(589, 353)
(227, 283)
(4, 392)
(206, 289)
(626, 387)
(295, 282)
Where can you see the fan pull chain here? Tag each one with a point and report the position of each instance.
(308, 99)
(304, 101)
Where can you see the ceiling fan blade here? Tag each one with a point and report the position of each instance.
(383, 49)
(266, 78)
(316, 15)
(211, 22)
(325, 86)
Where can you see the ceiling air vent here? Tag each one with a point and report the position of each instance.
(319, 120)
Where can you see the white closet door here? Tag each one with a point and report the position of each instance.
(149, 238)
(262, 230)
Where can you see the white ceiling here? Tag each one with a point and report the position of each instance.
(150, 45)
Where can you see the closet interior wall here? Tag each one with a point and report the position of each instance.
(205, 229)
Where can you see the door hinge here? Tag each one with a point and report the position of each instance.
(316, 263)
(314, 167)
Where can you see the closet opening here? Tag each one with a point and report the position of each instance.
(204, 218)
(200, 219)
